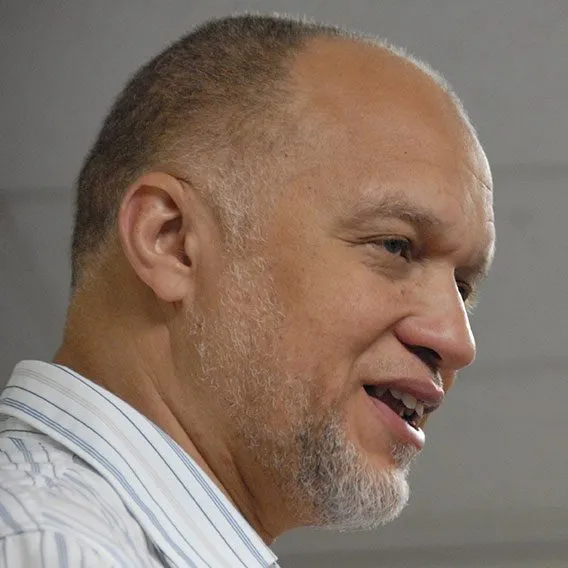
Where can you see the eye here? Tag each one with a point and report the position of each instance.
(465, 290)
(396, 246)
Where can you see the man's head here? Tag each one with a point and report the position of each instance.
(302, 218)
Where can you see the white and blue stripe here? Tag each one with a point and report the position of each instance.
(86, 480)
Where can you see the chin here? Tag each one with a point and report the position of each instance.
(363, 495)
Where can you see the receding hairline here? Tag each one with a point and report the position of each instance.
(220, 120)
(392, 56)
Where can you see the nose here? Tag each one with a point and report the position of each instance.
(438, 329)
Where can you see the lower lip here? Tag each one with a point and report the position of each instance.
(400, 429)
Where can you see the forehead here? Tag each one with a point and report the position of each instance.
(373, 124)
(363, 96)
(365, 112)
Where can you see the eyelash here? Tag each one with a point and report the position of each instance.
(407, 253)
(408, 248)
(467, 293)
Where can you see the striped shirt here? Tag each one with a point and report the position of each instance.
(87, 481)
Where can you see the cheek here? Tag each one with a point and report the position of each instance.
(332, 317)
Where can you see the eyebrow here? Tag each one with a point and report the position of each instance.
(393, 206)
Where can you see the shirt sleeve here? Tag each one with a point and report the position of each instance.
(49, 549)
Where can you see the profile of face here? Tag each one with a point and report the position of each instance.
(336, 332)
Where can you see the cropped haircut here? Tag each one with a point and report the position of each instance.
(212, 100)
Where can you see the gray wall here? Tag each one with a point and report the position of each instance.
(489, 489)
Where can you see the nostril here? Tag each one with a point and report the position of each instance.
(428, 356)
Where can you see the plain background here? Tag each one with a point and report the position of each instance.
(490, 489)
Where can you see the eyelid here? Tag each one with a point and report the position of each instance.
(472, 298)
(389, 237)
(411, 248)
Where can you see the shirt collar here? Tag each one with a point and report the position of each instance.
(181, 510)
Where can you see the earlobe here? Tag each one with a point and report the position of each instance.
(155, 235)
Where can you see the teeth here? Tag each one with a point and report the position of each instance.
(420, 409)
(409, 401)
(379, 391)
(396, 394)
(411, 404)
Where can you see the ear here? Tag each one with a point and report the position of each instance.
(158, 235)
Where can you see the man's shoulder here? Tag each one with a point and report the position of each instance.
(40, 480)
(46, 489)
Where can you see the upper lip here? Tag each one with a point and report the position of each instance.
(423, 390)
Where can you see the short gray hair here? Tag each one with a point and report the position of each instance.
(212, 91)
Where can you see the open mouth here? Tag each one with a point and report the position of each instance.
(410, 409)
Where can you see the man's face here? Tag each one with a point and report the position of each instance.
(355, 297)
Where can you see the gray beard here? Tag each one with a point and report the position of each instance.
(326, 479)
(344, 491)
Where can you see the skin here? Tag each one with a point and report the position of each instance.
(348, 283)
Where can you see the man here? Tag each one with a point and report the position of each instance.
(278, 233)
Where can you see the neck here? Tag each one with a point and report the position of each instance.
(133, 360)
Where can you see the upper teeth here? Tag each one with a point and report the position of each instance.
(409, 401)
(419, 409)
